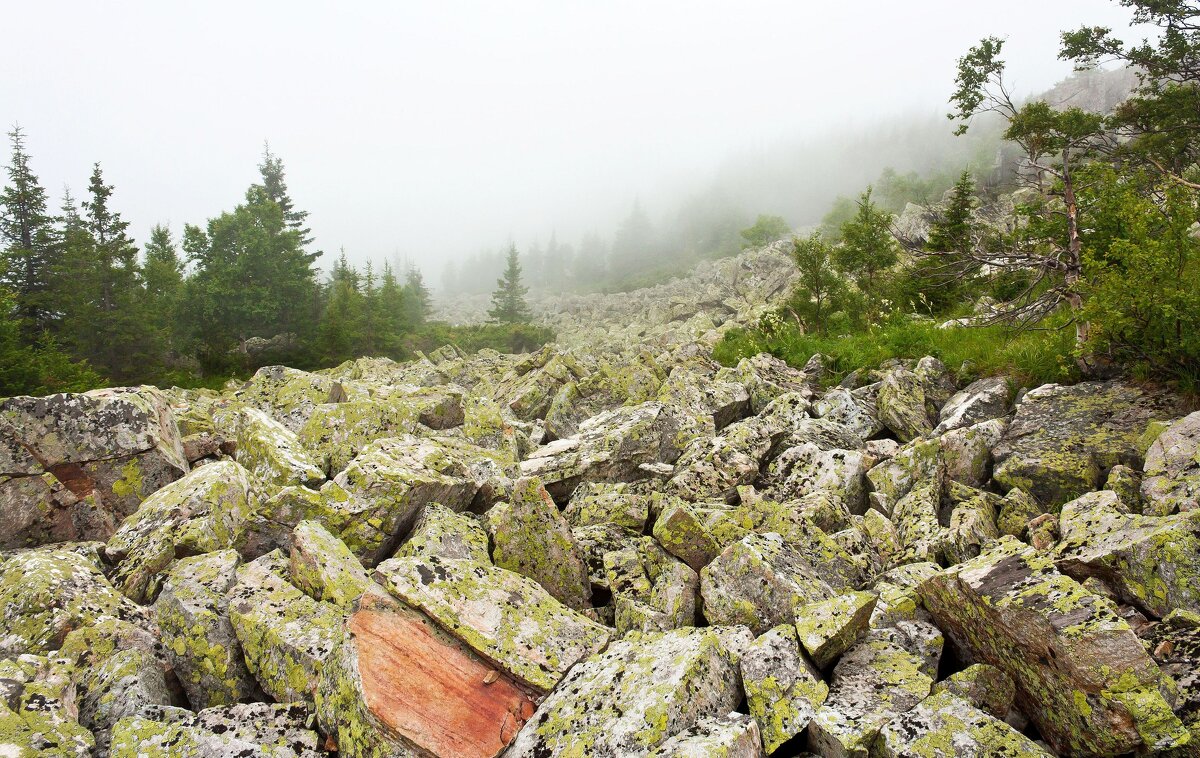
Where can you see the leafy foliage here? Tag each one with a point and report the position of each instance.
(766, 229)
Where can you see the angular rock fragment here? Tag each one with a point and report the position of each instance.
(902, 405)
(637, 694)
(652, 591)
(854, 409)
(272, 452)
(441, 532)
(828, 628)
(986, 687)
(322, 566)
(290, 396)
(681, 529)
(947, 725)
(268, 730)
(1172, 468)
(979, 401)
(506, 618)
(805, 469)
(714, 467)
(733, 736)
(767, 378)
(1092, 688)
(783, 689)
(594, 503)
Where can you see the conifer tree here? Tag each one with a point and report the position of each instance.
(275, 183)
(417, 296)
(867, 251)
(508, 301)
(27, 242)
(162, 273)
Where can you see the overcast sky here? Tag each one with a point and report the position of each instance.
(440, 128)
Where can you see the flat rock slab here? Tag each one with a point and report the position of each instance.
(505, 617)
(397, 682)
(265, 730)
(946, 726)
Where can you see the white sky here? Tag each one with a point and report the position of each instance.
(440, 128)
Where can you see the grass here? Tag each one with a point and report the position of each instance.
(1032, 356)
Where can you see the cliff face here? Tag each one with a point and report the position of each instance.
(610, 547)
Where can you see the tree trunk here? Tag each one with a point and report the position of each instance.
(1074, 261)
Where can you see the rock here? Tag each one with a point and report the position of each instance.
(205, 511)
(980, 401)
(272, 453)
(918, 461)
(290, 396)
(441, 532)
(878, 679)
(285, 635)
(783, 689)
(918, 530)
(732, 736)
(681, 530)
(805, 469)
(853, 409)
(398, 685)
(506, 618)
(610, 447)
(1063, 440)
(759, 582)
(1172, 470)
(47, 593)
(530, 536)
(324, 568)
(636, 695)
(193, 613)
(608, 387)
(713, 468)
(26, 732)
(1093, 688)
(967, 451)
(652, 591)
(1017, 509)
(251, 729)
(947, 725)
(1043, 531)
(1151, 562)
(902, 405)
(108, 448)
(594, 503)
(972, 523)
(827, 628)
(986, 687)
(767, 378)
(530, 388)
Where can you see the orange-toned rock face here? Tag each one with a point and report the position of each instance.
(431, 691)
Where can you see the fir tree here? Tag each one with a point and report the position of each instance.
(508, 301)
(952, 232)
(28, 240)
(417, 296)
(162, 273)
(867, 251)
(274, 182)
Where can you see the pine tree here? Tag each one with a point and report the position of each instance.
(274, 182)
(633, 244)
(508, 301)
(393, 311)
(28, 242)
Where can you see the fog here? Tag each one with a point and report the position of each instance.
(434, 130)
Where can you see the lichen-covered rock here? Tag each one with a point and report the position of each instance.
(854, 409)
(47, 593)
(759, 582)
(967, 451)
(268, 730)
(609, 386)
(986, 687)
(876, 680)
(441, 532)
(503, 616)
(681, 530)
(322, 566)
(531, 386)
(918, 461)
(635, 695)
(273, 454)
(1172, 470)
(614, 446)
(652, 591)
(972, 522)
(206, 510)
(530, 536)
(1017, 509)
(193, 613)
(732, 736)
(806, 468)
(398, 685)
(714, 467)
(767, 378)
(979, 401)
(711, 404)
(285, 635)
(827, 628)
(595, 503)
(920, 533)
(783, 689)
(108, 448)
(1081, 674)
(34, 732)
(598, 540)
(902, 406)
(1151, 562)
(290, 396)
(947, 726)
(1063, 440)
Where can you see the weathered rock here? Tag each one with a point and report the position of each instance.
(967, 451)
(1017, 509)
(918, 530)
(1080, 672)
(713, 468)
(1063, 440)
(732, 736)
(805, 469)
(205, 511)
(986, 687)
(972, 522)
(652, 591)
(783, 689)
(109, 448)
(1149, 561)
(979, 401)
(530, 537)
(902, 405)
(290, 396)
(918, 461)
(1172, 468)
(614, 446)
(531, 386)
(251, 729)
(827, 628)
(322, 566)
(635, 695)
(594, 503)
(608, 387)
(598, 540)
(37, 726)
(767, 378)
(947, 726)
(285, 635)
(272, 453)
(193, 613)
(854, 409)
(441, 532)
(759, 582)
(681, 529)
(398, 685)
(504, 617)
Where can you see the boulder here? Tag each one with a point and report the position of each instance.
(268, 730)
(732, 736)
(441, 532)
(902, 405)
(681, 530)
(854, 409)
(947, 725)
(652, 591)
(609, 386)
(805, 469)
(783, 689)
(638, 693)
(290, 396)
(980, 401)
(504, 617)
(1172, 470)
(827, 628)
(714, 467)
(272, 453)
(767, 378)
(986, 687)
(323, 567)
(1081, 674)
(595, 503)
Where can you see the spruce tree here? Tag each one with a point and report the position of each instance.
(508, 301)
(274, 182)
(867, 251)
(162, 273)
(28, 242)
(418, 297)
(952, 232)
